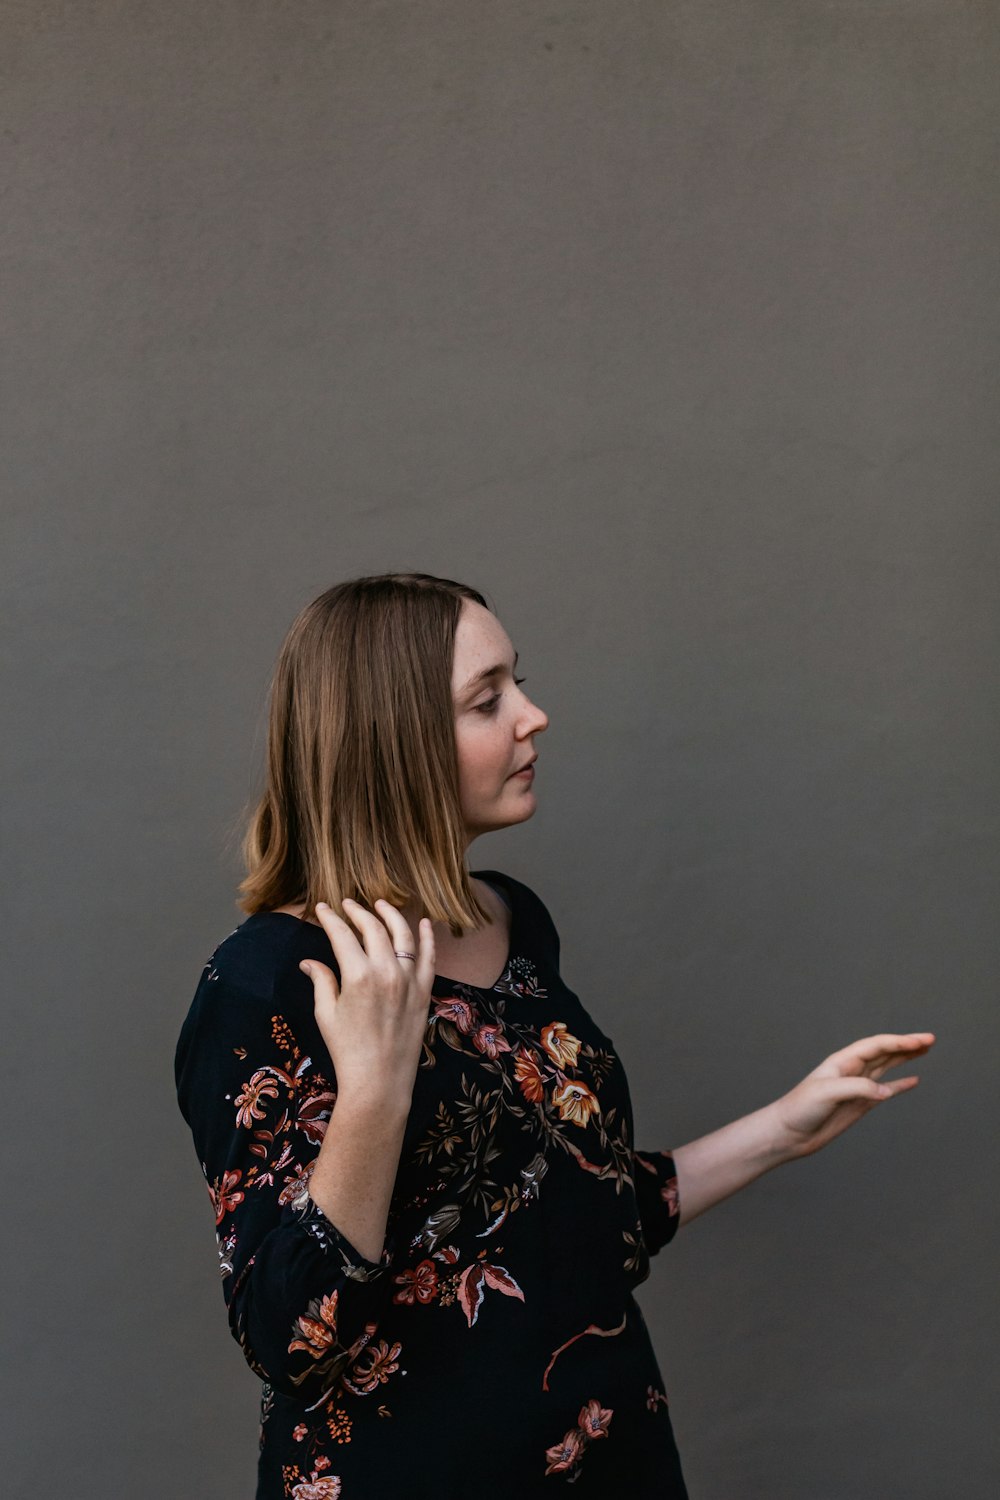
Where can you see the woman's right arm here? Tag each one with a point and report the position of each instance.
(305, 1260)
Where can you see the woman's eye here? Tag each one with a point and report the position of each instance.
(491, 703)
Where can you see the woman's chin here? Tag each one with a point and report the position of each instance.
(505, 817)
(524, 807)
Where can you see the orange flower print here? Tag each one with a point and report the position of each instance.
(489, 1039)
(459, 1012)
(224, 1195)
(318, 1333)
(373, 1367)
(248, 1103)
(670, 1195)
(560, 1044)
(575, 1103)
(417, 1285)
(594, 1420)
(566, 1454)
(326, 1487)
(529, 1075)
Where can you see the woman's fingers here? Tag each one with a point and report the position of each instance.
(421, 946)
(892, 1060)
(375, 944)
(883, 1050)
(384, 932)
(400, 936)
(376, 936)
(426, 955)
(886, 1060)
(325, 987)
(869, 1047)
(820, 1109)
(343, 940)
(865, 1090)
(900, 1085)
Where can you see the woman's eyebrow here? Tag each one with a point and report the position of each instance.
(485, 674)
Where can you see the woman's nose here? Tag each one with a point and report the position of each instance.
(541, 719)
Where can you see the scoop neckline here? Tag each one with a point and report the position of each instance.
(439, 978)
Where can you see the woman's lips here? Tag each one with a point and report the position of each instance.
(527, 774)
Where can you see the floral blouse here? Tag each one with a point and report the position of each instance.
(495, 1349)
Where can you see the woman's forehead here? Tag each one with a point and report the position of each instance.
(480, 633)
(481, 645)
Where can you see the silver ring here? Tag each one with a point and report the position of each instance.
(405, 955)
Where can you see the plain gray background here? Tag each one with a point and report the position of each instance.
(673, 327)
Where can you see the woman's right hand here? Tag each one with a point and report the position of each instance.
(374, 1021)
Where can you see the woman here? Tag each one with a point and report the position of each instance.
(429, 1210)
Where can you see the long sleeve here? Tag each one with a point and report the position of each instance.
(655, 1177)
(303, 1303)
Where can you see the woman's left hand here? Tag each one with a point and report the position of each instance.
(844, 1087)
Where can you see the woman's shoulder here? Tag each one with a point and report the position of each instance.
(250, 984)
(257, 964)
(253, 955)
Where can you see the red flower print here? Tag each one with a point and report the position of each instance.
(419, 1284)
(594, 1420)
(459, 1012)
(670, 1196)
(322, 1462)
(561, 1046)
(318, 1333)
(567, 1453)
(564, 1457)
(248, 1103)
(224, 1197)
(299, 1432)
(313, 1115)
(575, 1103)
(489, 1038)
(373, 1367)
(529, 1075)
(473, 1282)
(317, 1488)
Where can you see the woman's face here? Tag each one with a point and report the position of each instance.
(495, 723)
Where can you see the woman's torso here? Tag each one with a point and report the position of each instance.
(517, 1246)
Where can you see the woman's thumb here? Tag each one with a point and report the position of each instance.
(323, 978)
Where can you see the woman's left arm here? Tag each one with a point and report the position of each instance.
(831, 1098)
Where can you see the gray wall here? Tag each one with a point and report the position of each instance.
(674, 328)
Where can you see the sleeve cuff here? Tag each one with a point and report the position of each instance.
(658, 1197)
(326, 1234)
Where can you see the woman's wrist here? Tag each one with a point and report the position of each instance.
(719, 1164)
(373, 1106)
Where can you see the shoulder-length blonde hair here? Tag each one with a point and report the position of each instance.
(361, 794)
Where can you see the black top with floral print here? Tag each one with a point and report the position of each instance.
(495, 1349)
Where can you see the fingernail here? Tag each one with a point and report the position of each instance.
(306, 969)
(322, 906)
